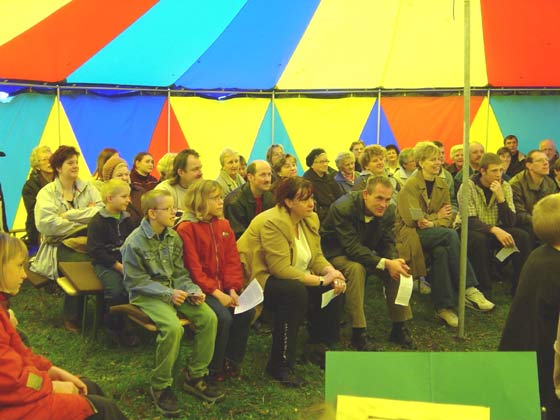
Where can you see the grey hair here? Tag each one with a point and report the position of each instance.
(342, 156)
(227, 152)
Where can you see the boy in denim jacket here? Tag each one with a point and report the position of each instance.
(160, 285)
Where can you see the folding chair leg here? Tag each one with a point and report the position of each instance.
(98, 315)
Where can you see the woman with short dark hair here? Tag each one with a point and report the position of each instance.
(281, 248)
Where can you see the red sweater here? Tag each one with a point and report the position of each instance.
(25, 387)
(210, 254)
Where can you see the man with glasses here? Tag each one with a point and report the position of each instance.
(529, 186)
(325, 188)
(548, 147)
(158, 282)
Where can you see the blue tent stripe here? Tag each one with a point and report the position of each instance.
(264, 137)
(22, 122)
(255, 49)
(281, 136)
(369, 133)
(530, 118)
(156, 49)
(125, 124)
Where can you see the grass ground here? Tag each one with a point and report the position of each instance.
(124, 373)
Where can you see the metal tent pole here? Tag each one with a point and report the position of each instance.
(465, 195)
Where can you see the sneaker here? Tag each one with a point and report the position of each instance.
(474, 299)
(401, 336)
(448, 316)
(424, 287)
(201, 388)
(165, 401)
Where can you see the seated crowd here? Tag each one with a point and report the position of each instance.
(185, 245)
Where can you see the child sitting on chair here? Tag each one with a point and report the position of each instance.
(31, 387)
(210, 253)
(107, 231)
(160, 285)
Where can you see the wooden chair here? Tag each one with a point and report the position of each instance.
(36, 279)
(138, 316)
(80, 280)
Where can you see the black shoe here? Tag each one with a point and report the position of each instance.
(315, 353)
(362, 343)
(286, 377)
(402, 337)
(165, 401)
(201, 388)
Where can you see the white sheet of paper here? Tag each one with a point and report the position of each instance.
(416, 214)
(506, 252)
(327, 297)
(405, 291)
(251, 297)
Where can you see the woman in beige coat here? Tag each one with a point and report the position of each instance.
(423, 225)
(281, 248)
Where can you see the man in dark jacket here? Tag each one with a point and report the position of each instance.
(252, 198)
(357, 237)
(529, 186)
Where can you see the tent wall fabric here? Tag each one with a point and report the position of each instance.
(288, 44)
(136, 123)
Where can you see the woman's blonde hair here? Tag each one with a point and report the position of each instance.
(196, 200)
(10, 248)
(424, 150)
(35, 157)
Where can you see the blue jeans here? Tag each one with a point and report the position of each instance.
(444, 248)
(231, 335)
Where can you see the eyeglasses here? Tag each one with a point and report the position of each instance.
(167, 209)
(322, 161)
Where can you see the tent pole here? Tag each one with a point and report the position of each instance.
(273, 108)
(378, 114)
(168, 120)
(58, 115)
(487, 118)
(465, 195)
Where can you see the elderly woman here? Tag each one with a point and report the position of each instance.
(165, 166)
(142, 166)
(457, 159)
(229, 177)
(346, 175)
(282, 250)
(428, 194)
(325, 188)
(210, 254)
(41, 174)
(407, 165)
(63, 209)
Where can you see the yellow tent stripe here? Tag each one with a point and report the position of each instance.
(20, 15)
(330, 124)
(210, 125)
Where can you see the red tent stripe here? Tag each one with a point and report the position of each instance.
(56, 46)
